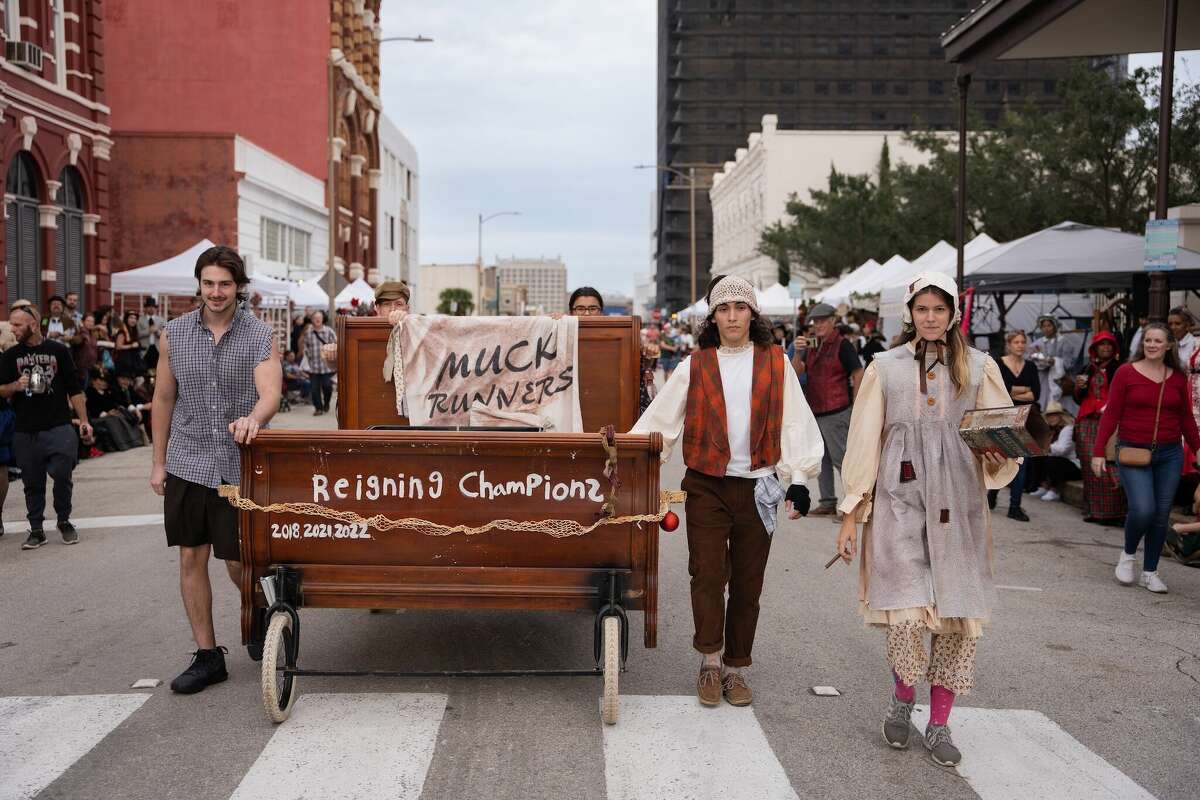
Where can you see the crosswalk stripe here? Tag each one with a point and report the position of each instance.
(41, 737)
(1014, 753)
(97, 523)
(349, 746)
(673, 748)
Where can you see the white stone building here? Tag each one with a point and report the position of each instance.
(643, 294)
(433, 279)
(398, 217)
(544, 278)
(283, 227)
(752, 191)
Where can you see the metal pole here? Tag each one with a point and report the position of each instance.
(330, 282)
(1160, 289)
(692, 227)
(960, 221)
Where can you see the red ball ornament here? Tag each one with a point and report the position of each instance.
(670, 521)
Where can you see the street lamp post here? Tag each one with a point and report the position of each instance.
(690, 177)
(335, 155)
(483, 219)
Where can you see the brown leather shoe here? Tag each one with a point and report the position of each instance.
(823, 511)
(708, 686)
(736, 692)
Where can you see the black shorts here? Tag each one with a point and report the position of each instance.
(194, 515)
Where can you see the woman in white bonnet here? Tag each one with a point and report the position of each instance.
(926, 545)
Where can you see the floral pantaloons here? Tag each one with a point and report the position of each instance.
(952, 663)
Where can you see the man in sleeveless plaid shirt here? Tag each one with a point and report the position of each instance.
(219, 381)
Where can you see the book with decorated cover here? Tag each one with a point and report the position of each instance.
(1013, 431)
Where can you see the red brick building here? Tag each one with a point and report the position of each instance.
(220, 118)
(54, 130)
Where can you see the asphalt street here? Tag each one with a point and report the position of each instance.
(1110, 674)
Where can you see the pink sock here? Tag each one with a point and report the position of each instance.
(904, 692)
(941, 700)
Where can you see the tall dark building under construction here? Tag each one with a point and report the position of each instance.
(816, 64)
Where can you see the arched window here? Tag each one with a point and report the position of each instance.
(69, 256)
(21, 240)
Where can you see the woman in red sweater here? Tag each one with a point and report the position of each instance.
(1148, 403)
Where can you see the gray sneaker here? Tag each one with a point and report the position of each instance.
(941, 747)
(896, 725)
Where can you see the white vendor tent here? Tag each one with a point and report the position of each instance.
(840, 291)
(697, 310)
(310, 294)
(175, 275)
(1070, 257)
(358, 289)
(774, 301)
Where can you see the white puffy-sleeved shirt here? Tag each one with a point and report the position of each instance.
(801, 446)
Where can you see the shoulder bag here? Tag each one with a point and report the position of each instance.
(1138, 456)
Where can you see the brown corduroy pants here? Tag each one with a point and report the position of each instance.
(727, 546)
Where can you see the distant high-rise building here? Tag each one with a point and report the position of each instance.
(815, 64)
(544, 278)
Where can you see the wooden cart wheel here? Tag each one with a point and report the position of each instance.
(278, 691)
(612, 668)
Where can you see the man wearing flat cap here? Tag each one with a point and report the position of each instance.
(833, 371)
(390, 297)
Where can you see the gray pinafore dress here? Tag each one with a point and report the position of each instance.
(930, 539)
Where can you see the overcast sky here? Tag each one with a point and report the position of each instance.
(543, 108)
(531, 106)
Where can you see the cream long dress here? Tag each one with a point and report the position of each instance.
(926, 545)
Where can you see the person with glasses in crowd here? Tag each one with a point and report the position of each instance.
(585, 302)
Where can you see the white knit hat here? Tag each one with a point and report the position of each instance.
(732, 289)
(923, 281)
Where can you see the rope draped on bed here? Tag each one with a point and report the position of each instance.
(557, 528)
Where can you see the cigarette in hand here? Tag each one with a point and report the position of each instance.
(836, 558)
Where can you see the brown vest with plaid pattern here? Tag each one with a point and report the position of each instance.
(705, 426)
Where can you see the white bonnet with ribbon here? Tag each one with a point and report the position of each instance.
(923, 281)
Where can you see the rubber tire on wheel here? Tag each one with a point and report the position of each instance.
(612, 668)
(278, 693)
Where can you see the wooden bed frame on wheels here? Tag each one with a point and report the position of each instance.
(470, 478)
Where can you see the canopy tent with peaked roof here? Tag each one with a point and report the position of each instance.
(309, 293)
(358, 290)
(1070, 257)
(177, 276)
(775, 301)
(174, 275)
(840, 290)
(696, 309)
(942, 257)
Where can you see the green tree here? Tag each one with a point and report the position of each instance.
(457, 302)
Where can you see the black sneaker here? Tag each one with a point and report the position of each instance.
(69, 534)
(35, 540)
(941, 747)
(1015, 512)
(207, 668)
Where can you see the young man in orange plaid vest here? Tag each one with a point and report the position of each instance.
(745, 425)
